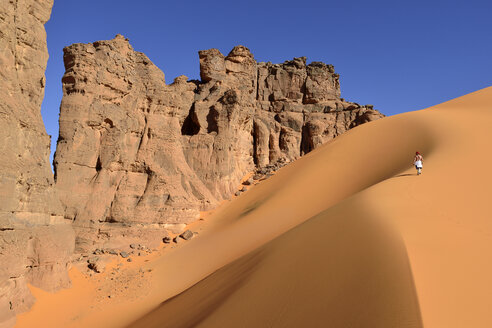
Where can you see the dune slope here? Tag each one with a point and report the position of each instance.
(338, 269)
(347, 236)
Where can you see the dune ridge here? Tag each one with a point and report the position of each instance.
(347, 236)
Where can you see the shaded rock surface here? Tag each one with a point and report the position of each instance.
(35, 241)
(136, 156)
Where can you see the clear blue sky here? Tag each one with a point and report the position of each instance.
(398, 55)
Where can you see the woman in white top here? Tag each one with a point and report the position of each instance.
(418, 160)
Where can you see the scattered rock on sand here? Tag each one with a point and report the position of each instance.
(187, 235)
(98, 264)
(124, 255)
(166, 240)
(237, 193)
(133, 246)
(95, 265)
(248, 182)
(176, 239)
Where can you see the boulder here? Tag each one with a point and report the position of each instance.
(187, 235)
(98, 264)
(248, 182)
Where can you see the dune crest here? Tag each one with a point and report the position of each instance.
(437, 221)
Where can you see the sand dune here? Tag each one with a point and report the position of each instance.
(347, 236)
(338, 269)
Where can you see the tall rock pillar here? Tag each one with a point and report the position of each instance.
(35, 241)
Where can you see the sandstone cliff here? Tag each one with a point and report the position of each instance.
(119, 162)
(35, 240)
(136, 156)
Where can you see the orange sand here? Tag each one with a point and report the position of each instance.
(347, 236)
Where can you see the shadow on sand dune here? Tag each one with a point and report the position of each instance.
(341, 268)
(405, 175)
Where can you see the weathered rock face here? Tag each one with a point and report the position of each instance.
(217, 139)
(299, 108)
(136, 156)
(120, 166)
(35, 240)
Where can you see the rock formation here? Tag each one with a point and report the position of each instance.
(35, 241)
(136, 156)
(299, 108)
(119, 163)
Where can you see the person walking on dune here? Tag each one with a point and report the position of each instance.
(417, 161)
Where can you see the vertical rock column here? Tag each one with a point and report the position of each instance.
(219, 144)
(35, 241)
